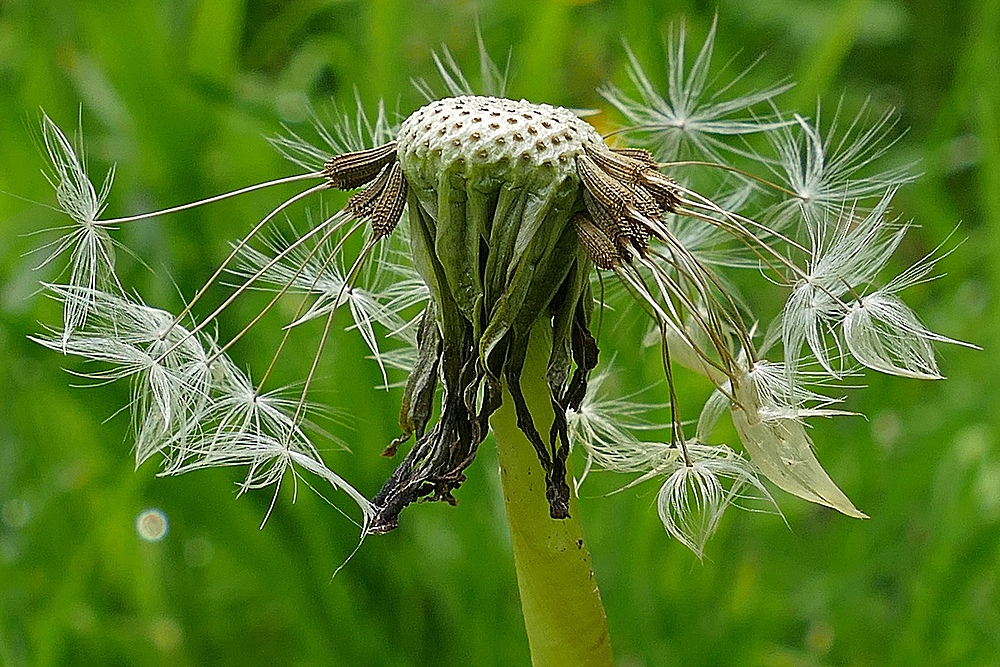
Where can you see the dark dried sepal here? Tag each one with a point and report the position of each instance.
(447, 357)
(556, 489)
(352, 170)
(572, 343)
(417, 405)
(435, 466)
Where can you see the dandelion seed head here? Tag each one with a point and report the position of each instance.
(492, 140)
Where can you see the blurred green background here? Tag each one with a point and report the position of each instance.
(180, 95)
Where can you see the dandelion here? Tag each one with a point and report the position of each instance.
(479, 226)
(87, 239)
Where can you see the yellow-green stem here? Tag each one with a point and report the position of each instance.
(562, 607)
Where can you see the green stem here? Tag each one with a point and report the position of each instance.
(562, 607)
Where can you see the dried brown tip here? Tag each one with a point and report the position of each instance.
(352, 170)
(624, 200)
(621, 231)
(663, 189)
(618, 165)
(638, 154)
(636, 166)
(622, 211)
(602, 250)
(361, 203)
(381, 202)
(389, 207)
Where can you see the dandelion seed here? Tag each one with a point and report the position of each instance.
(315, 270)
(606, 427)
(90, 245)
(693, 499)
(884, 334)
(845, 258)
(826, 171)
(689, 115)
(781, 449)
(341, 135)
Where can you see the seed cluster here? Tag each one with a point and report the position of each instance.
(489, 140)
(383, 200)
(624, 198)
